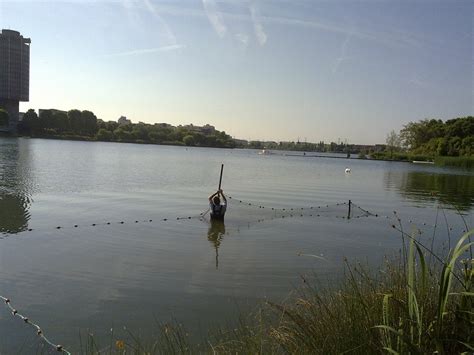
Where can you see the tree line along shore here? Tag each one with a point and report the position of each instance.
(446, 143)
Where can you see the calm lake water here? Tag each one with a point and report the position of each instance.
(142, 272)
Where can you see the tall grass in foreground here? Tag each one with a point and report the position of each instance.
(460, 162)
(410, 306)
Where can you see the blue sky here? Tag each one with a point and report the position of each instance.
(275, 70)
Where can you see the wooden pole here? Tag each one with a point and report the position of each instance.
(220, 179)
(349, 212)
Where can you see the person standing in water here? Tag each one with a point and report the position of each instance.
(218, 207)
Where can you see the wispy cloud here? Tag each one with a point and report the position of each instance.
(257, 25)
(135, 52)
(242, 38)
(215, 17)
(343, 55)
(417, 81)
(165, 29)
(132, 15)
(135, 9)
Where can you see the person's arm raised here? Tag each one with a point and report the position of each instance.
(223, 196)
(214, 194)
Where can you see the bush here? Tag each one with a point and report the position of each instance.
(104, 135)
(188, 140)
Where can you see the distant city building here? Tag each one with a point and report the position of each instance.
(123, 121)
(163, 125)
(242, 142)
(207, 129)
(361, 147)
(14, 73)
(379, 147)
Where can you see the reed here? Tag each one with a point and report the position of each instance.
(460, 162)
(412, 304)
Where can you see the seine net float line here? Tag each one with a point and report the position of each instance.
(365, 211)
(39, 331)
(395, 216)
(319, 211)
(201, 215)
(286, 209)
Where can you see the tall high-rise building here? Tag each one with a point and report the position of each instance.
(14, 73)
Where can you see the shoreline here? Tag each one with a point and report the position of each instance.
(414, 159)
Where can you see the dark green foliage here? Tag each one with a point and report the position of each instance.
(188, 140)
(400, 156)
(123, 135)
(454, 137)
(163, 134)
(105, 135)
(140, 132)
(88, 123)
(75, 119)
(83, 125)
(56, 123)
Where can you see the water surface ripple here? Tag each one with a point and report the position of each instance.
(103, 276)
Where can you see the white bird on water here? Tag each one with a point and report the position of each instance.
(348, 170)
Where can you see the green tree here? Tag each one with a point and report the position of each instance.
(188, 140)
(75, 121)
(157, 136)
(140, 132)
(199, 138)
(454, 146)
(89, 122)
(442, 148)
(104, 135)
(468, 145)
(46, 120)
(61, 122)
(393, 142)
(109, 125)
(122, 135)
(460, 127)
(30, 123)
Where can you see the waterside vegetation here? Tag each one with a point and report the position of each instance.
(449, 143)
(461, 162)
(418, 303)
(84, 125)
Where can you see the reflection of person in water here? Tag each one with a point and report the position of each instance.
(215, 235)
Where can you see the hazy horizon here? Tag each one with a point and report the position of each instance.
(267, 70)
